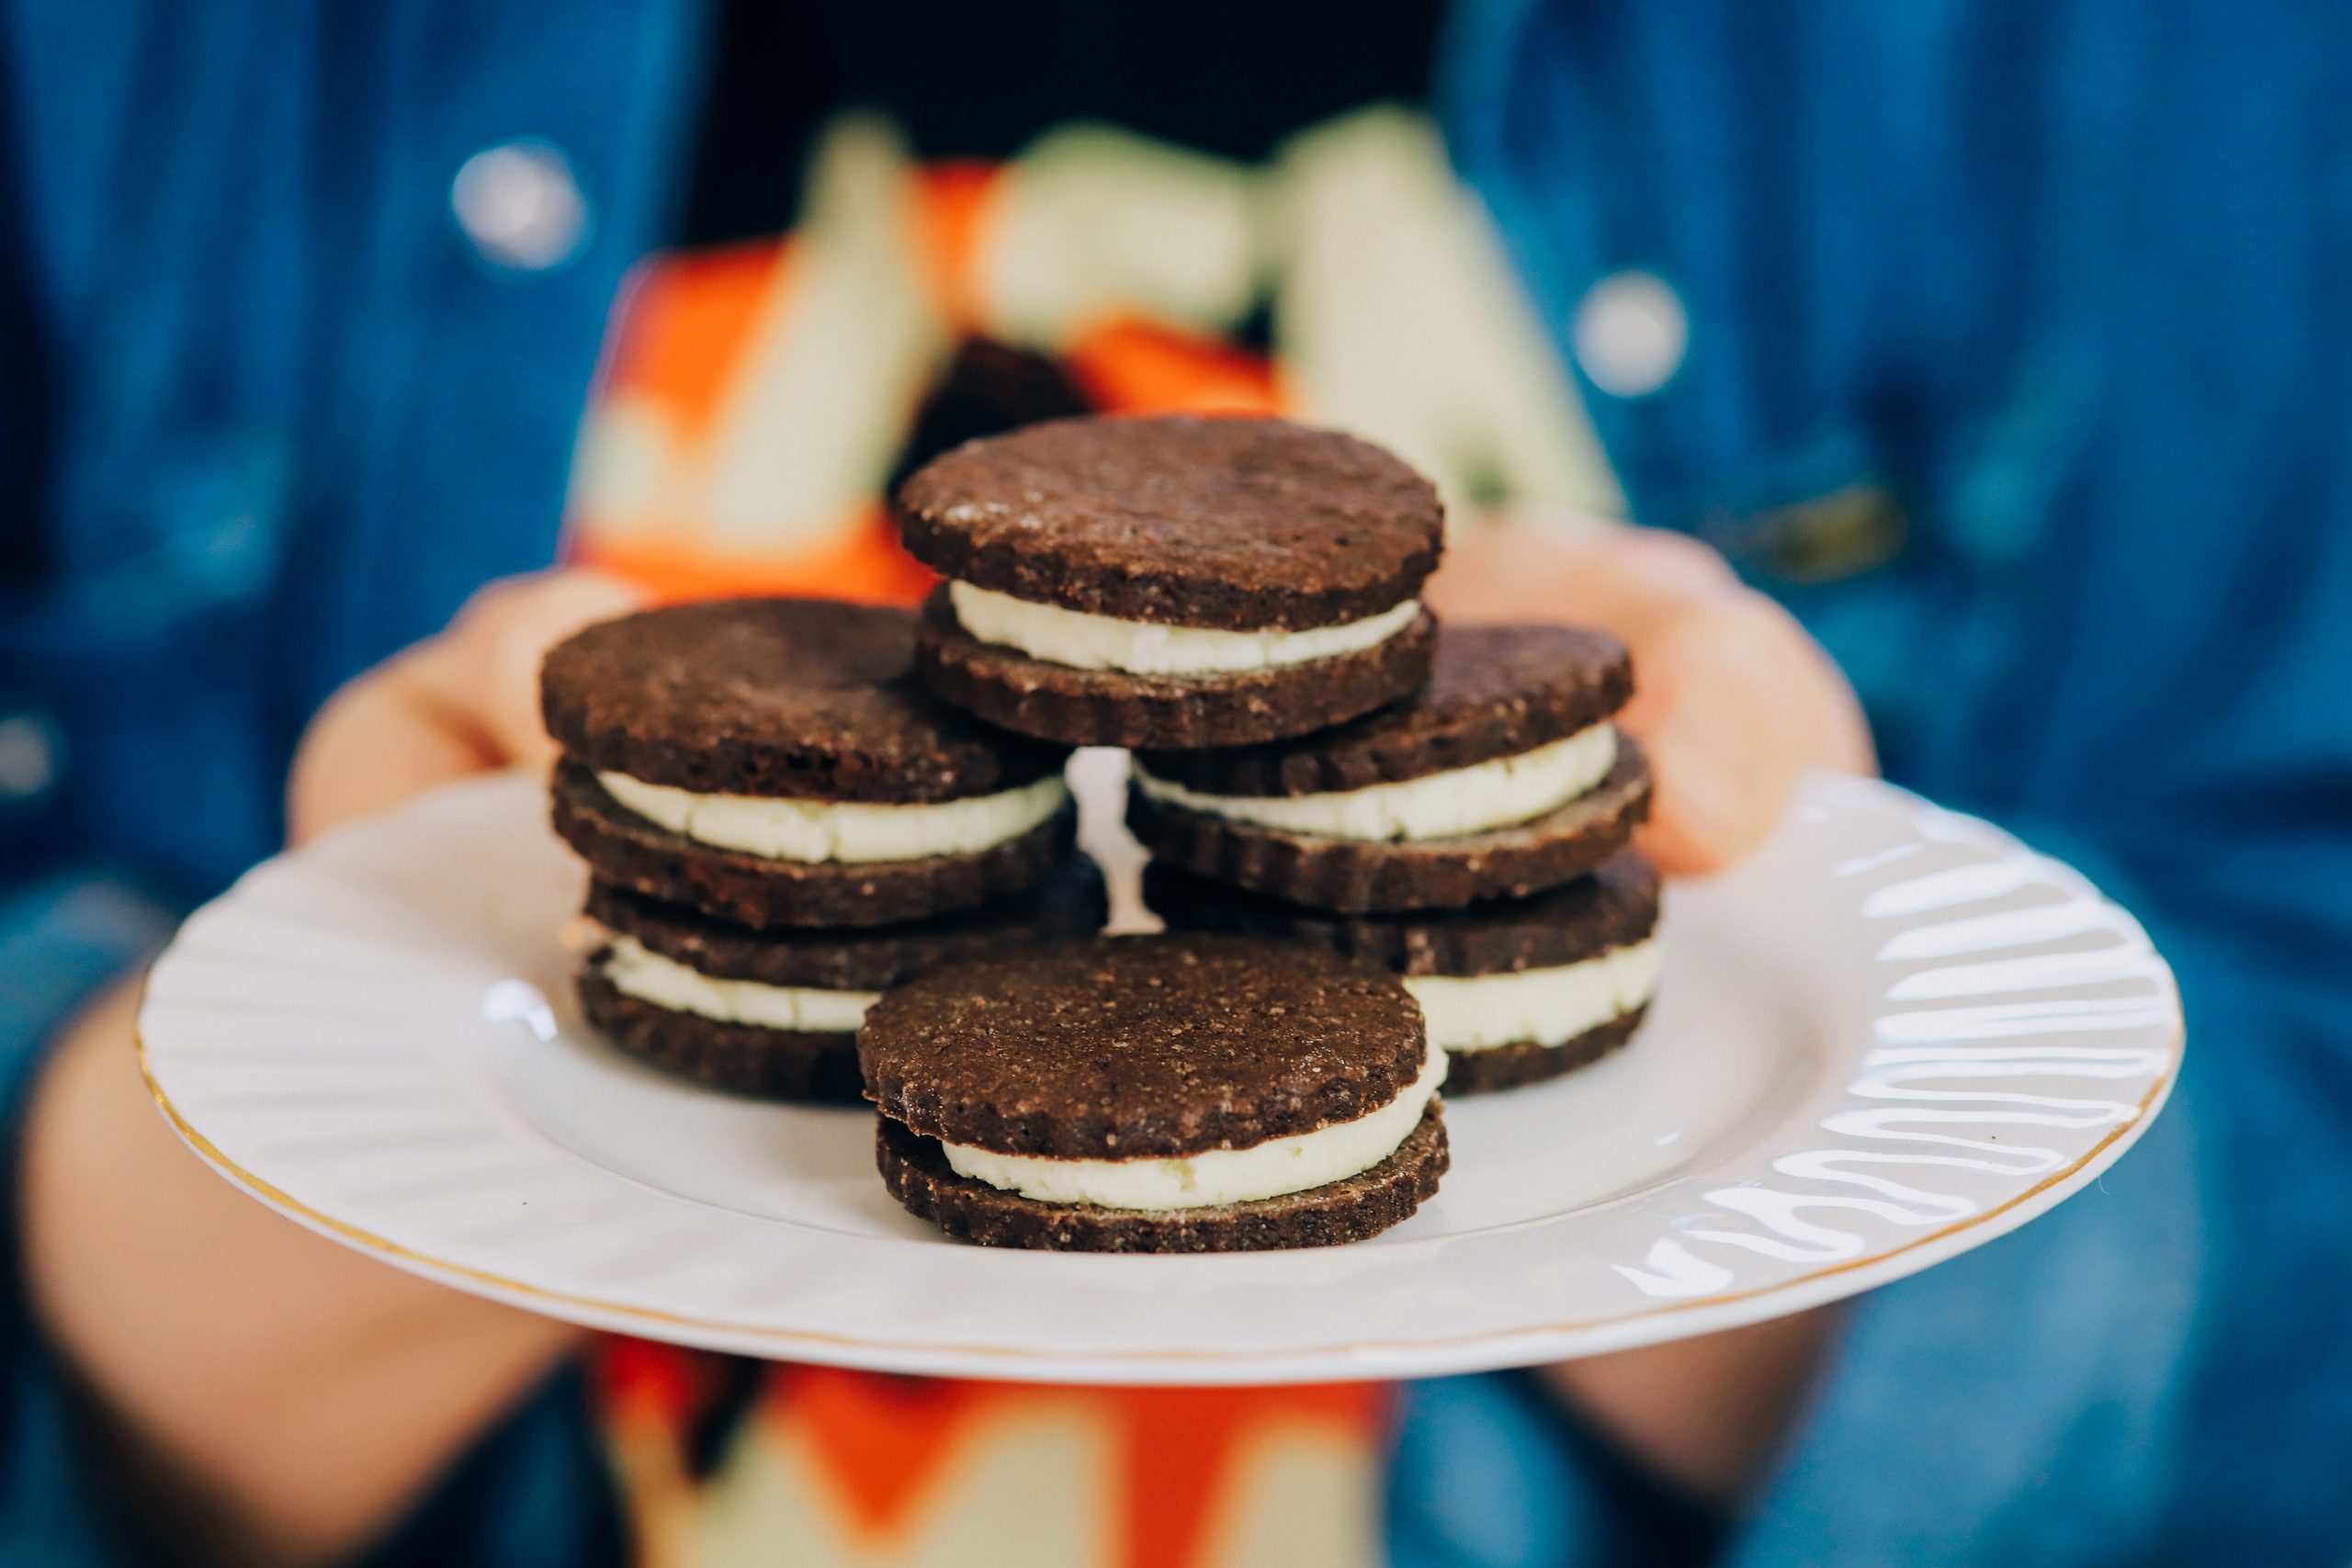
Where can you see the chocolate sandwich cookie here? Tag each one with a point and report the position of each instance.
(1156, 1094)
(1503, 776)
(1516, 991)
(1172, 582)
(775, 1014)
(776, 763)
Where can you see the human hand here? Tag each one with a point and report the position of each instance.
(1733, 699)
(464, 702)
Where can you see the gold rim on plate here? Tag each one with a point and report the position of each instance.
(285, 1202)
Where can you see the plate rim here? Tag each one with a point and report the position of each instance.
(1488, 1349)
(2003, 1217)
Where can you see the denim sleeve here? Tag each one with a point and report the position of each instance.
(1494, 1471)
(534, 1493)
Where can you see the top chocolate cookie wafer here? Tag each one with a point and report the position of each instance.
(1493, 691)
(804, 698)
(1234, 524)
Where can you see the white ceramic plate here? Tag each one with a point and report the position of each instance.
(1891, 1037)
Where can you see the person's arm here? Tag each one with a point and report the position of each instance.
(289, 1396)
(1734, 702)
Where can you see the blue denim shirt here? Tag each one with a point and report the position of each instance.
(2065, 285)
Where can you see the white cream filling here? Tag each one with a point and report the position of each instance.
(1221, 1176)
(639, 971)
(1551, 1007)
(1083, 641)
(1493, 794)
(782, 828)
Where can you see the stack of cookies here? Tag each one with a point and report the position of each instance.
(832, 846)
(1319, 773)
(1472, 838)
(780, 825)
(1315, 760)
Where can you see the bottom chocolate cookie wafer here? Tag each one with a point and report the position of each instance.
(919, 1175)
(1522, 1062)
(749, 1058)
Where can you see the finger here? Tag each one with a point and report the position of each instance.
(464, 703)
(482, 675)
(1724, 706)
(1622, 579)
